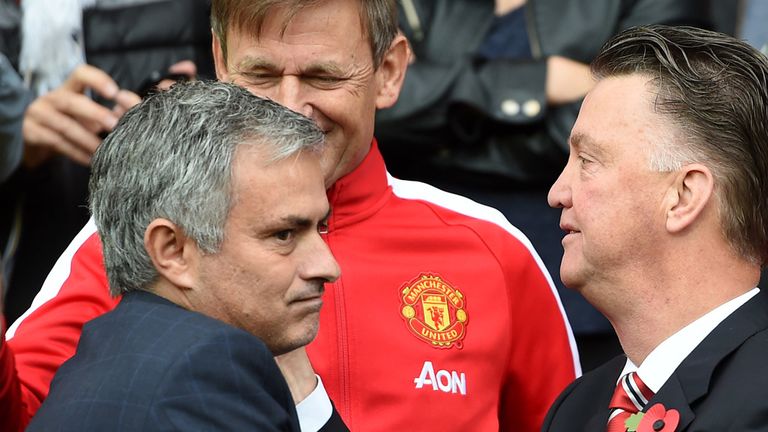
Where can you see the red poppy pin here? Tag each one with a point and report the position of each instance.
(655, 419)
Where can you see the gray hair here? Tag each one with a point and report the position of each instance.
(171, 157)
(714, 90)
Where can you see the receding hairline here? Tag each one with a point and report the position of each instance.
(660, 135)
(252, 25)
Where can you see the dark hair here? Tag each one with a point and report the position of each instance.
(378, 19)
(714, 89)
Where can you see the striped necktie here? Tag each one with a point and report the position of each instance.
(630, 397)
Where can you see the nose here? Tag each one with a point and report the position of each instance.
(319, 262)
(291, 94)
(560, 193)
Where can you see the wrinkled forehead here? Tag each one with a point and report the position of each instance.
(621, 110)
(256, 19)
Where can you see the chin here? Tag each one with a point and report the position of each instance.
(296, 340)
(572, 271)
(571, 279)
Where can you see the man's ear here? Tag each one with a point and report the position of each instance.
(391, 72)
(220, 63)
(174, 255)
(688, 196)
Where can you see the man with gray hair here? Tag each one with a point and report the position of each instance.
(665, 202)
(210, 204)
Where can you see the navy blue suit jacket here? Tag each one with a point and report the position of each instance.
(152, 365)
(721, 386)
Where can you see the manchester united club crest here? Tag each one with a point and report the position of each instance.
(434, 311)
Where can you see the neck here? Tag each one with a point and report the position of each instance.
(674, 298)
(168, 291)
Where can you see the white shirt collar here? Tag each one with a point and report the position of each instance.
(315, 410)
(667, 356)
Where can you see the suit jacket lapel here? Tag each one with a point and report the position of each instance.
(691, 380)
(598, 422)
(672, 396)
(602, 393)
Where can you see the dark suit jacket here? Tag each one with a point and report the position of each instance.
(152, 365)
(721, 386)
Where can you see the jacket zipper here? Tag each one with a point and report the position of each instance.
(533, 34)
(343, 347)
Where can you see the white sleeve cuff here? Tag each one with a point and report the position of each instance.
(315, 410)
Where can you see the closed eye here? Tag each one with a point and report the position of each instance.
(259, 78)
(324, 81)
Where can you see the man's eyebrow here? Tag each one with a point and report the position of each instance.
(301, 221)
(249, 63)
(582, 141)
(296, 221)
(576, 139)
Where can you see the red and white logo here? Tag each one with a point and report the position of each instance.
(434, 311)
(443, 380)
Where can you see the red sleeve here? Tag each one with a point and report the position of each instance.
(544, 357)
(47, 334)
(12, 409)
